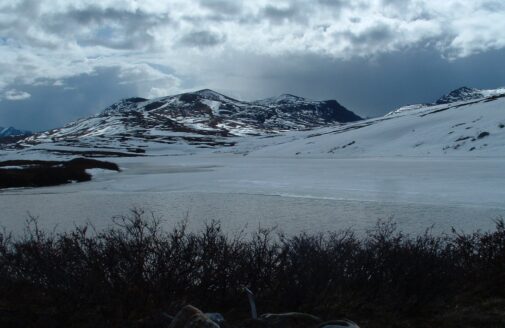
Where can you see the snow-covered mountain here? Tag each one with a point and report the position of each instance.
(12, 132)
(467, 127)
(286, 126)
(204, 118)
(463, 94)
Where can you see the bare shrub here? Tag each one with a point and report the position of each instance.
(86, 277)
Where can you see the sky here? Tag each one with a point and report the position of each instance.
(61, 60)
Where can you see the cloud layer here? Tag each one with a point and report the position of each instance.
(14, 95)
(161, 47)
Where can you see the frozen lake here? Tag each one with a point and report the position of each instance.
(294, 194)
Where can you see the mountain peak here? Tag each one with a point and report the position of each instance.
(202, 118)
(289, 96)
(10, 131)
(284, 98)
(206, 92)
(460, 94)
(466, 93)
(210, 94)
(463, 89)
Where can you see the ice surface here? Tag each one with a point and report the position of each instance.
(293, 193)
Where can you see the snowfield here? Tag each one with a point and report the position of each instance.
(467, 129)
(437, 165)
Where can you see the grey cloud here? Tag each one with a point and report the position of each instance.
(226, 7)
(202, 39)
(218, 11)
(280, 15)
(88, 26)
(335, 3)
(112, 28)
(494, 5)
(370, 37)
(401, 3)
(30, 8)
(98, 15)
(17, 21)
(15, 95)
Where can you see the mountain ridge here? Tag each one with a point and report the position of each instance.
(203, 118)
(461, 94)
(467, 127)
(285, 125)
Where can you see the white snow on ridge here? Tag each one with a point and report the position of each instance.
(492, 92)
(406, 109)
(282, 99)
(472, 129)
(456, 97)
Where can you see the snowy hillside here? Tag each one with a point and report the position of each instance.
(463, 94)
(201, 119)
(472, 124)
(473, 127)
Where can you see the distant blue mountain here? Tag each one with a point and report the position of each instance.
(12, 132)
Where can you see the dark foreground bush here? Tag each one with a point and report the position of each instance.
(87, 278)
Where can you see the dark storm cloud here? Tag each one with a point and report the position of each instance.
(391, 80)
(51, 106)
(202, 39)
(370, 88)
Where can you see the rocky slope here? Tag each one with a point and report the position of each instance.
(203, 119)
